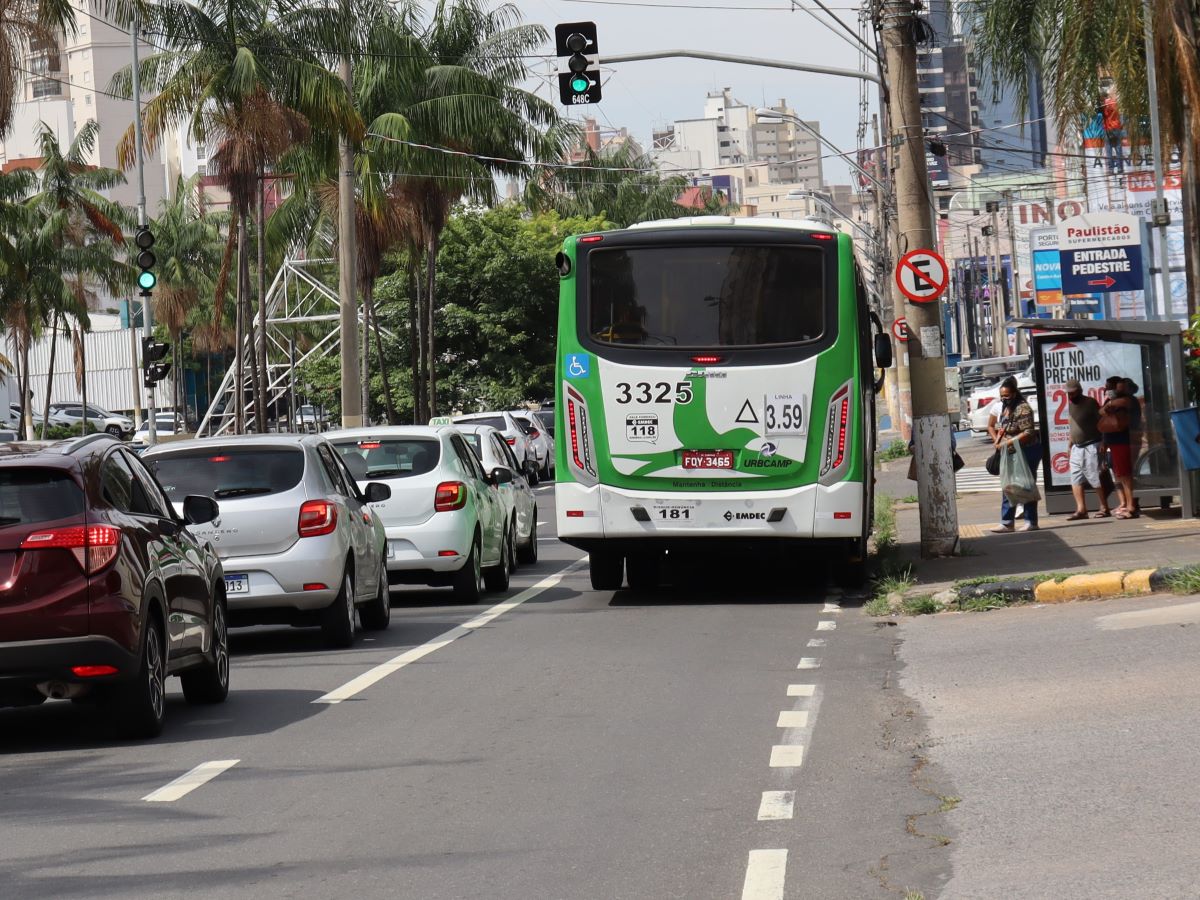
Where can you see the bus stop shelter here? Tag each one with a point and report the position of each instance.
(1150, 353)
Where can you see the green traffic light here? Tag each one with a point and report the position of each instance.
(147, 280)
(579, 84)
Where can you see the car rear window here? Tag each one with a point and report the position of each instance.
(223, 472)
(472, 439)
(495, 421)
(29, 496)
(368, 458)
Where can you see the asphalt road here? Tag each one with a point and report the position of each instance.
(726, 738)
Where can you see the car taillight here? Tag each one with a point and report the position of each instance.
(317, 517)
(837, 428)
(579, 427)
(534, 434)
(512, 442)
(450, 495)
(93, 546)
(985, 401)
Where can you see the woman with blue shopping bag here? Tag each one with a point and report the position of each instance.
(1020, 449)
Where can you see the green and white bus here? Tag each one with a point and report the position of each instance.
(715, 390)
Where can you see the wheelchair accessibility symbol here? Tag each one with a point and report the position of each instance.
(577, 365)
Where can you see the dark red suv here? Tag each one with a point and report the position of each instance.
(103, 590)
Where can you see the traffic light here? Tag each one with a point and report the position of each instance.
(580, 84)
(145, 260)
(153, 369)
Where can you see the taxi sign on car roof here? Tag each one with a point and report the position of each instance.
(440, 420)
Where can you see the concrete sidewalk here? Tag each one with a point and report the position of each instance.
(1156, 540)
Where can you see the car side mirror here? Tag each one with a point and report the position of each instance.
(501, 475)
(883, 351)
(377, 492)
(197, 509)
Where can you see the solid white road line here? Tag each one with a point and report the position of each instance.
(765, 873)
(776, 805)
(832, 607)
(381, 671)
(809, 662)
(816, 642)
(785, 756)
(801, 690)
(826, 625)
(189, 781)
(792, 718)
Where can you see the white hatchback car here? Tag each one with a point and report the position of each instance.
(519, 504)
(445, 520)
(514, 435)
(540, 441)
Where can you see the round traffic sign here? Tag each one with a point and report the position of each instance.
(900, 329)
(922, 276)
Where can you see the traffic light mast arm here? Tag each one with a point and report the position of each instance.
(744, 60)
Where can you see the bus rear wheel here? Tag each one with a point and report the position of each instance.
(643, 570)
(851, 570)
(606, 569)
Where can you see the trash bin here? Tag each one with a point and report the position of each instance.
(1187, 435)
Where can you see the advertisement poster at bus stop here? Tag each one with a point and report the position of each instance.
(1091, 362)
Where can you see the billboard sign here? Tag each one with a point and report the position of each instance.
(1100, 252)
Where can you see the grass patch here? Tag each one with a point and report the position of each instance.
(913, 895)
(923, 605)
(949, 803)
(885, 521)
(889, 582)
(988, 601)
(894, 450)
(911, 498)
(878, 606)
(1186, 581)
(978, 579)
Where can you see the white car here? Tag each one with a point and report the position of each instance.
(519, 504)
(985, 400)
(541, 444)
(514, 435)
(445, 520)
(163, 425)
(71, 414)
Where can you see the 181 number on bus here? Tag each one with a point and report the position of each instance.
(660, 392)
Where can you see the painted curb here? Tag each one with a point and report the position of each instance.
(1088, 586)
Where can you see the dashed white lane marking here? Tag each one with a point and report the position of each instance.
(832, 607)
(801, 690)
(809, 662)
(381, 671)
(542, 524)
(792, 718)
(189, 781)
(816, 642)
(776, 806)
(785, 756)
(826, 625)
(765, 873)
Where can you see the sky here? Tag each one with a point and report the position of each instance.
(645, 95)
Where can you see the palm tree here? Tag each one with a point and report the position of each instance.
(26, 24)
(243, 78)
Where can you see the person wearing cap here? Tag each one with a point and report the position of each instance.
(1084, 413)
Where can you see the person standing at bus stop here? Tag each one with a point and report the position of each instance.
(1084, 413)
(1116, 416)
(1015, 431)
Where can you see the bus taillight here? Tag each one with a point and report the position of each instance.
(579, 432)
(837, 427)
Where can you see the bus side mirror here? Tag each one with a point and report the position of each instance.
(883, 351)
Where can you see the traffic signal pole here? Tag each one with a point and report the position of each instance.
(147, 308)
(931, 424)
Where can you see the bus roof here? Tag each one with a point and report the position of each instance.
(737, 222)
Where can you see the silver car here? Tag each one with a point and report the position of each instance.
(445, 518)
(298, 539)
(71, 414)
(519, 504)
(515, 435)
(540, 442)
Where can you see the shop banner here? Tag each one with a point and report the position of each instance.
(1091, 362)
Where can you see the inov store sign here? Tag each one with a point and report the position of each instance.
(1100, 252)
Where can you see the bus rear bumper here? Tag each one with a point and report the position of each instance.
(810, 512)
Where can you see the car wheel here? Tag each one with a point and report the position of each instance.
(139, 707)
(114, 430)
(644, 570)
(377, 615)
(496, 577)
(531, 474)
(209, 682)
(468, 581)
(606, 569)
(337, 621)
(529, 553)
(511, 546)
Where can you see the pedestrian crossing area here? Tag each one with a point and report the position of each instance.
(976, 480)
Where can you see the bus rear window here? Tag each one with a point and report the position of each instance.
(737, 295)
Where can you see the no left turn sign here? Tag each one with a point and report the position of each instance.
(922, 276)
(900, 329)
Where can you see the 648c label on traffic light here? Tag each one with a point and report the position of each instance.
(783, 414)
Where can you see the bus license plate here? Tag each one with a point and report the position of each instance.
(708, 459)
(237, 584)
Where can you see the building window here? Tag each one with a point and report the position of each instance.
(44, 87)
(202, 170)
(87, 99)
(202, 151)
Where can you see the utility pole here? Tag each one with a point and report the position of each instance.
(147, 308)
(999, 307)
(1161, 216)
(351, 391)
(895, 378)
(931, 424)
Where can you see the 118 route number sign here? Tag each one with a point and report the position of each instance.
(922, 276)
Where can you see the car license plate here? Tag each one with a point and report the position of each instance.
(708, 459)
(237, 584)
